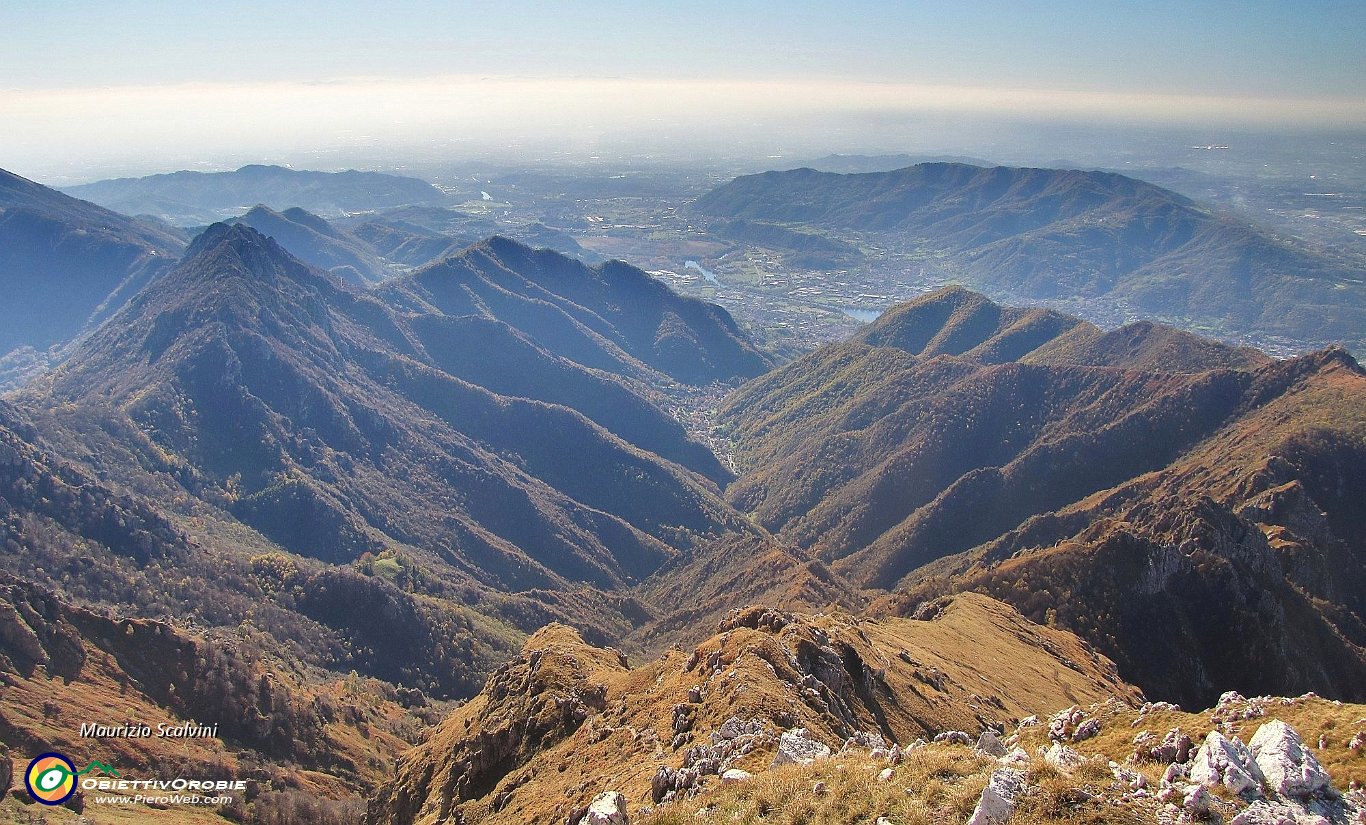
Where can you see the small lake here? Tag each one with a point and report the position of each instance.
(706, 273)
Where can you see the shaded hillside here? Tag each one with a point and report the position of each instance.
(1052, 233)
(692, 591)
(318, 243)
(406, 243)
(417, 236)
(565, 721)
(612, 317)
(365, 252)
(322, 418)
(66, 264)
(919, 439)
(196, 198)
(96, 542)
(293, 733)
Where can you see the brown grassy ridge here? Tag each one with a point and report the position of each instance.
(941, 783)
(566, 720)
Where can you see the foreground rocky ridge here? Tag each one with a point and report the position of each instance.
(1104, 763)
(565, 720)
(767, 722)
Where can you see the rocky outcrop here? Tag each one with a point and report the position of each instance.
(1064, 759)
(990, 744)
(797, 748)
(772, 688)
(529, 704)
(1226, 762)
(1173, 747)
(997, 803)
(1288, 767)
(607, 808)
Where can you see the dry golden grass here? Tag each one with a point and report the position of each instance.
(940, 783)
(933, 785)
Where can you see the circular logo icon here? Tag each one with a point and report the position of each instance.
(51, 779)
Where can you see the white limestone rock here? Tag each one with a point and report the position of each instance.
(735, 776)
(1198, 802)
(1227, 762)
(1063, 758)
(1133, 780)
(1064, 723)
(795, 747)
(1017, 758)
(1086, 730)
(864, 740)
(607, 808)
(1262, 812)
(1288, 766)
(997, 802)
(953, 737)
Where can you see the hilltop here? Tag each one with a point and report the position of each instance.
(1055, 234)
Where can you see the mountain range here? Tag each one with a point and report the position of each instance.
(1158, 478)
(1050, 233)
(282, 484)
(198, 198)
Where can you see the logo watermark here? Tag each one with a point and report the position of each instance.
(51, 777)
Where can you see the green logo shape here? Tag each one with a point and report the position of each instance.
(108, 769)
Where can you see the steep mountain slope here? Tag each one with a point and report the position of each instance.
(331, 424)
(407, 243)
(565, 720)
(612, 317)
(1049, 233)
(318, 243)
(66, 264)
(952, 425)
(131, 546)
(196, 198)
(63, 666)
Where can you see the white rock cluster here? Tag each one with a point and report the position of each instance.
(796, 747)
(1072, 725)
(1227, 762)
(1275, 774)
(1287, 765)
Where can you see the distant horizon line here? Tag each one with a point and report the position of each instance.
(127, 126)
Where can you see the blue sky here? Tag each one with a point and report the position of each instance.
(1252, 47)
(119, 76)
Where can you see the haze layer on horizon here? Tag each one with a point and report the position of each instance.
(127, 87)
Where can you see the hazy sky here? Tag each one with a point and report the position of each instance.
(117, 81)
